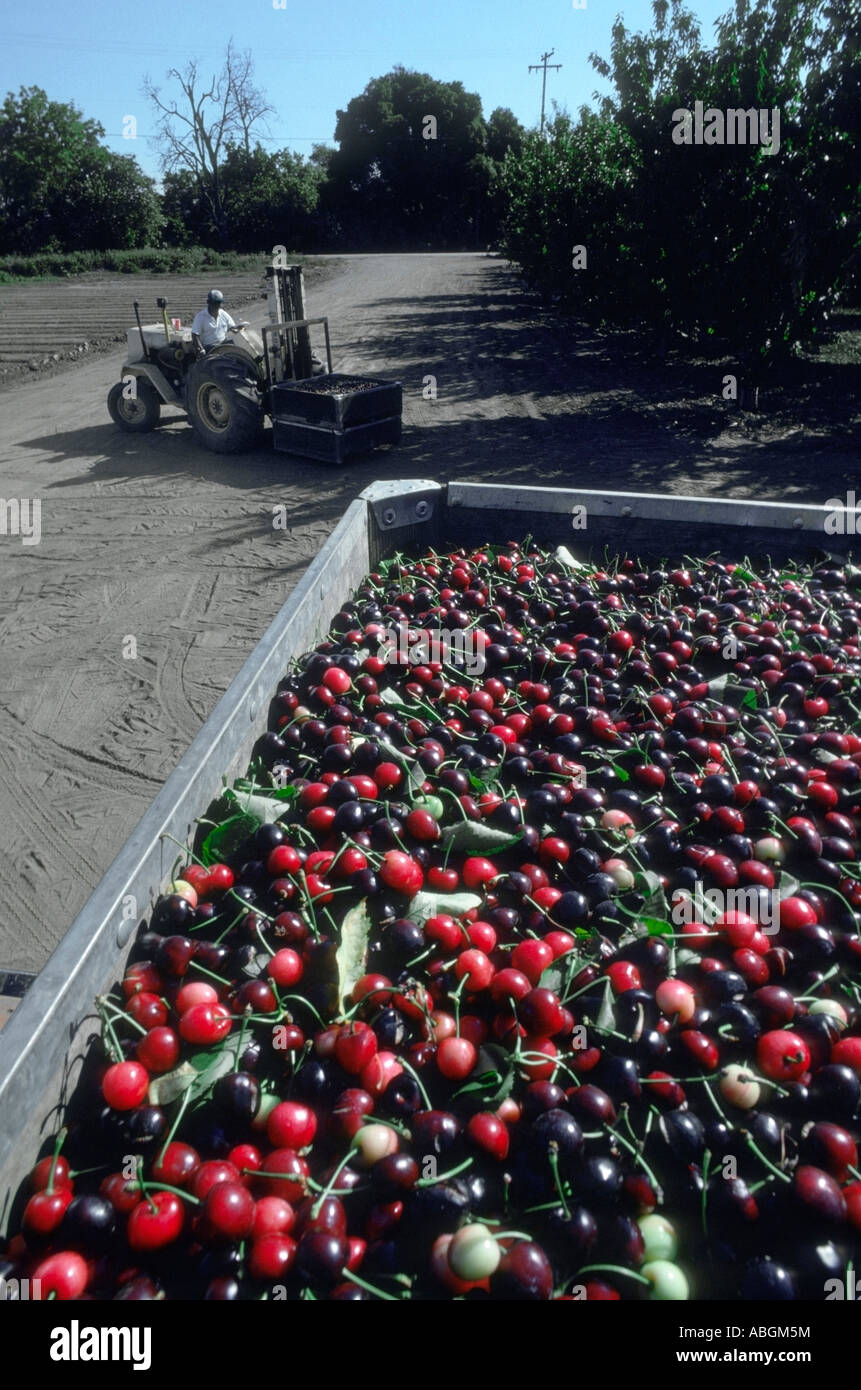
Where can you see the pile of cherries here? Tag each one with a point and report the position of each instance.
(458, 1010)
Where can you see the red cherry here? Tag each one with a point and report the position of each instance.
(379, 1072)
(283, 859)
(387, 776)
(273, 1216)
(623, 975)
(445, 931)
(510, 984)
(272, 1255)
(285, 968)
(228, 1210)
(45, 1210)
(737, 927)
(291, 1125)
(176, 1164)
(122, 1193)
(541, 1062)
(852, 1195)
(246, 1159)
(489, 1133)
(456, 1057)
(64, 1274)
(532, 957)
(475, 968)
(213, 1171)
(700, 1047)
(159, 1050)
(291, 1170)
(782, 1055)
(541, 1013)
(847, 1052)
(142, 977)
(156, 1221)
(442, 880)
(482, 935)
(124, 1085)
(41, 1176)
(401, 873)
(477, 872)
(348, 1111)
(205, 1024)
(355, 1045)
(147, 1009)
(796, 913)
(220, 878)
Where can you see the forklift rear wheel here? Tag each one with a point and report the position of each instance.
(135, 414)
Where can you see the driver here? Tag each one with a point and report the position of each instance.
(211, 325)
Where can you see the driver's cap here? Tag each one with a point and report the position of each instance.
(215, 297)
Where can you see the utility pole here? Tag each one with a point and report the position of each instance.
(542, 68)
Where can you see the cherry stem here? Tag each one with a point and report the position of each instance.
(297, 998)
(177, 1191)
(243, 1028)
(633, 1149)
(444, 1177)
(370, 1288)
(553, 1160)
(707, 1158)
(612, 1269)
(186, 1097)
(58, 1144)
(328, 1189)
(803, 998)
(119, 1015)
(187, 853)
(211, 973)
(113, 1042)
(417, 1079)
(754, 1148)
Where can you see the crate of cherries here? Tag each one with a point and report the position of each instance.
(522, 967)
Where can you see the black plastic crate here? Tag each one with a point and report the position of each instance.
(336, 400)
(333, 445)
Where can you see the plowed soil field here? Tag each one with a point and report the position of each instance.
(45, 326)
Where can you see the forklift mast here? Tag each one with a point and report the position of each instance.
(286, 299)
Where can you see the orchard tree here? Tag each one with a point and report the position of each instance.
(199, 121)
(404, 172)
(60, 187)
(270, 199)
(743, 244)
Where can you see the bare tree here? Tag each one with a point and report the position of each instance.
(196, 127)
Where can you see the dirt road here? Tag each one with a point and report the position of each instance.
(152, 539)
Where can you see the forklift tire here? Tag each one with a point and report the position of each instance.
(136, 414)
(224, 404)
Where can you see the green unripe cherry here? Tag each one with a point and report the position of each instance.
(473, 1253)
(659, 1237)
(669, 1284)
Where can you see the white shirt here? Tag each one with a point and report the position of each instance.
(212, 330)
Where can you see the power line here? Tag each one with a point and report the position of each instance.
(542, 67)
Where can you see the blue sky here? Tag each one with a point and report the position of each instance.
(310, 58)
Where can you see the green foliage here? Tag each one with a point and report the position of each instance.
(398, 181)
(150, 260)
(723, 242)
(60, 188)
(267, 200)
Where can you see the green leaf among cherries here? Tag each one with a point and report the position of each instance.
(352, 953)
